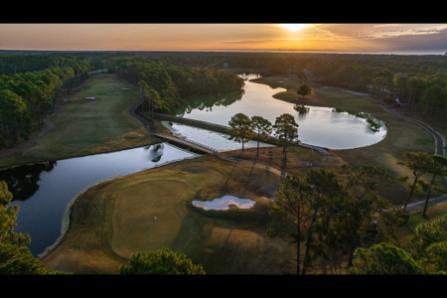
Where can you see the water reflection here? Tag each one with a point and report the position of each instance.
(215, 140)
(207, 103)
(321, 126)
(302, 111)
(42, 191)
(23, 180)
(155, 152)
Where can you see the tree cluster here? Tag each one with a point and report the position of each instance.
(27, 97)
(328, 215)
(168, 87)
(426, 253)
(15, 256)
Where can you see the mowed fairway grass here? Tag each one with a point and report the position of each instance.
(403, 134)
(83, 126)
(152, 209)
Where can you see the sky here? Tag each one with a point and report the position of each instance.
(362, 38)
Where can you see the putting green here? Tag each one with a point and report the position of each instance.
(82, 126)
(152, 209)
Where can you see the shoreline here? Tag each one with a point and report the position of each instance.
(77, 156)
(67, 213)
(11, 157)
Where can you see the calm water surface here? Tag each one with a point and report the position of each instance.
(321, 126)
(42, 191)
(215, 140)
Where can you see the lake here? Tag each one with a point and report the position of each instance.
(42, 191)
(215, 140)
(320, 126)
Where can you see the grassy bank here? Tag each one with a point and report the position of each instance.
(151, 209)
(403, 134)
(405, 233)
(81, 126)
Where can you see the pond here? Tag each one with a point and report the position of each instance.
(321, 126)
(215, 140)
(42, 191)
(223, 203)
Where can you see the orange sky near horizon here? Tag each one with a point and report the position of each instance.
(226, 37)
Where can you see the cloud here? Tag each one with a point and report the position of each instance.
(316, 37)
(431, 42)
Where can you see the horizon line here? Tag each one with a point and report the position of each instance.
(400, 53)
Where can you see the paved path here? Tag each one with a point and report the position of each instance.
(413, 207)
(439, 148)
(226, 129)
(186, 143)
(419, 205)
(257, 165)
(135, 111)
(439, 139)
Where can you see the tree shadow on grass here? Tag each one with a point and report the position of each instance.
(231, 246)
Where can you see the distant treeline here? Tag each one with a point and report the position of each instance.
(28, 89)
(30, 83)
(168, 86)
(169, 81)
(419, 82)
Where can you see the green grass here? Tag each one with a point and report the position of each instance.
(81, 126)
(403, 135)
(405, 233)
(151, 209)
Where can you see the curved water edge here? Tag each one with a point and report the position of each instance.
(46, 216)
(320, 126)
(17, 165)
(67, 213)
(216, 140)
(43, 193)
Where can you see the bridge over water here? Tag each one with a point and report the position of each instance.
(136, 111)
(226, 130)
(196, 147)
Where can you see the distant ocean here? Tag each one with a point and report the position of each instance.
(401, 53)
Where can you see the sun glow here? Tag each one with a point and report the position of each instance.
(293, 27)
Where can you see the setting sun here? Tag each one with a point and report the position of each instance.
(294, 27)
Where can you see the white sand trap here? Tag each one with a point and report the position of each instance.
(223, 203)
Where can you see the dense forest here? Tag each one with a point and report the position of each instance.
(418, 82)
(29, 83)
(27, 96)
(169, 86)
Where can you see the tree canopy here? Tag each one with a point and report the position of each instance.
(384, 258)
(241, 128)
(162, 261)
(303, 90)
(15, 256)
(426, 253)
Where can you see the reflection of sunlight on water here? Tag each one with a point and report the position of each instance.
(215, 140)
(224, 203)
(53, 186)
(321, 126)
